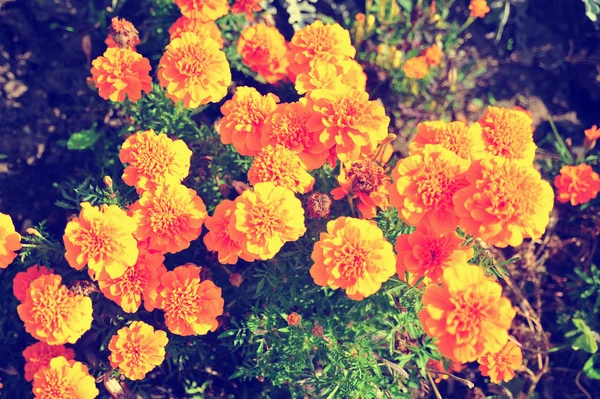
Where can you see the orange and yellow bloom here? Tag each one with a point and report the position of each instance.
(64, 379)
(433, 55)
(264, 50)
(10, 241)
(201, 29)
(577, 184)
(501, 366)
(457, 137)
(246, 6)
(281, 166)
(416, 67)
(38, 356)
(218, 238)
(23, 280)
(203, 10)
(479, 8)
(322, 75)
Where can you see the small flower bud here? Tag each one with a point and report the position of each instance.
(236, 279)
(107, 181)
(319, 205)
(294, 319)
(33, 232)
(318, 331)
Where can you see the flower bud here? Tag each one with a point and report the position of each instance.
(236, 279)
(294, 319)
(319, 205)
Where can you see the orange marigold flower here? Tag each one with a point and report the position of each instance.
(137, 349)
(593, 133)
(219, 238)
(365, 182)
(577, 184)
(416, 67)
(433, 55)
(38, 356)
(318, 206)
(425, 253)
(352, 255)
(286, 126)
(169, 218)
(322, 75)
(139, 281)
(500, 366)
(203, 30)
(423, 187)
(243, 118)
(281, 166)
(203, 10)
(467, 313)
(10, 241)
(101, 238)
(246, 6)
(154, 159)
(318, 41)
(122, 34)
(120, 72)
(438, 365)
(64, 379)
(294, 319)
(508, 133)
(266, 218)
(194, 70)
(347, 121)
(53, 314)
(353, 75)
(191, 306)
(264, 50)
(23, 280)
(479, 8)
(457, 137)
(504, 202)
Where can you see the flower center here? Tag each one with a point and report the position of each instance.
(436, 184)
(366, 177)
(194, 60)
(97, 242)
(151, 160)
(50, 308)
(182, 302)
(165, 216)
(56, 388)
(465, 320)
(353, 261)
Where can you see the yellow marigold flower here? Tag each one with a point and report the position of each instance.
(120, 72)
(416, 67)
(433, 55)
(137, 349)
(54, 315)
(479, 8)
(353, 75)
(101, 238)
(281, 166)
(365, 182)
(201, 29)
(352, 255)
(139, 281)
(23, 280)
(169, 218)
(457, 137)
(122, 34)
(508, 133)
(501, 366)
(191, 306)
(264, 50)
(194, 70)
(10, 241)
(203, 10)
(64, 379)
(503, 202)
(348, 122)
(243, 118)
(423, 187)
(467, 313)
(38, 356)
(577, 184)
(246, 6)
(322, 75)
(153, 160)
(329, 43)
(219, 238)
(266, 218)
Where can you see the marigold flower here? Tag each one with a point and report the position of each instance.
(592, 134)
(467, 314)
(286, 126)
(329, 43)
(246, 6)
(101, 238)
(10, 241)
(64, 379)
(457, 137)
(139, 281)
(207, 29)
(122, 34)
(318, 205)
(219, 238)
(119, 72)
(243, 118)
(353, 75)
(203, 10)
(191, 306)
(504, 202)
(508, 133)
(169, 218)
(501, 366)
(479, 8)
(281, 166)
(54, 315)
(433, 55)
(423, 187)
(365, 182)
(38, 356)
(137, 349)
(352, 255)
(294, 319)
(154, 159)
(427, 254)
(416, 67)
(322, 75)
(347, 121)
(577, 184)
(438, 365)
(194, 70)
(23, 280)
(264, 50)
(266, 218)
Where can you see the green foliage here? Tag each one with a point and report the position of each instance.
(84, 139)
(583, 337)
(592, 9)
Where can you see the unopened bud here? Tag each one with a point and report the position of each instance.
(294, 319)
(397, 59)
(33, 232)
(107, 181)
(236, 279)
(319, 205)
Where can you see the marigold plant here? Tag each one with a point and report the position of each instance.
(10, 241)
(264, 50)
(23, 280)
(577, 184)
(501, 365)
(64, 379)
(39, 355)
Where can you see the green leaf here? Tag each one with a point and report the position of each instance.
(3, 156)
(592, 9)
(586, 340)
(83, 140)
(591, 368)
